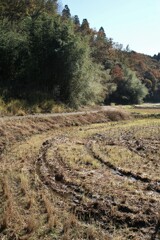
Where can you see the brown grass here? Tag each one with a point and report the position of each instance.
(79, 181)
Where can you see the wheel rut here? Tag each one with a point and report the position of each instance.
(88, 207)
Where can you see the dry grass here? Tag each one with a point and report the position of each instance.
(64, 183)
(22, 108)
(144, 110)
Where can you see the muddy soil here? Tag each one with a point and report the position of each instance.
(110, 196)
(70, 179)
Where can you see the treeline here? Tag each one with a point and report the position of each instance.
(47, 55)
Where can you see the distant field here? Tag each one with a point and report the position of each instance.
(148, 105)
(147, 110)
(87, 181)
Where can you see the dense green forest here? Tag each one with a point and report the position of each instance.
(47, 55)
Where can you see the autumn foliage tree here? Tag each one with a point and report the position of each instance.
(129, 89)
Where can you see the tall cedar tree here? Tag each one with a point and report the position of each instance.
(66, 12)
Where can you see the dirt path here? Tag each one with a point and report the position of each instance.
(65, 114)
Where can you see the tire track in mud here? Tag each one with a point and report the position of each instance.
(59, 177)
(151, 184)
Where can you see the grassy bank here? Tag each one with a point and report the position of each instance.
(22, 108)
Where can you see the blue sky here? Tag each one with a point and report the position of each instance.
(133, 22)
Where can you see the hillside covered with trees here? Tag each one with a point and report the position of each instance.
(47, 55)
